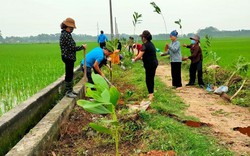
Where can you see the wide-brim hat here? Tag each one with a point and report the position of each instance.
(70, 22)
(195, 37)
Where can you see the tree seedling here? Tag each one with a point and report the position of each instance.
(105, 99)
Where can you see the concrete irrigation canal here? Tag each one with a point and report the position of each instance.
(29, 128)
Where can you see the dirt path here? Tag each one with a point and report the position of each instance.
(210, 108)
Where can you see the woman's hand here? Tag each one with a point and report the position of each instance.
(84, 46)
(184, 58)
(184, 45)
(166, 47)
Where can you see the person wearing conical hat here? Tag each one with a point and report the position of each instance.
(68, 53)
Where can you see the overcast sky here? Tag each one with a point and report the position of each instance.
(33, 17)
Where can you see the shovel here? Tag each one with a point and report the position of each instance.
(85, 79)
(110, 72)
(110, 84)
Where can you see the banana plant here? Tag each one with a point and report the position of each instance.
(105, 99)
(158, 10)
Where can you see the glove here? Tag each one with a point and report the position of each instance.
(133, 60)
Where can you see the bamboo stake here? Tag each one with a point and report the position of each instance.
(239, 89)
(85, 79)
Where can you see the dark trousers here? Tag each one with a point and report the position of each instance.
(130, 47)
(150, 74)
(176, 74)
(69, 69)
(103, 44)
(192, 73)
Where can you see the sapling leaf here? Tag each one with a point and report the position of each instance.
(105, 96)
(90, 85)
(94, 107)
(98, 110)
(99, 81)
(96, 95)
(113, 122)
(100, 128)
(179, 23)
(157, 9)
(114, 95)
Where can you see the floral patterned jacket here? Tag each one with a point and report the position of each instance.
(68, 46)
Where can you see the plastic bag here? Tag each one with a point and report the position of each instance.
(221, 89)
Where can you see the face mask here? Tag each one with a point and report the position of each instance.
(192, 41)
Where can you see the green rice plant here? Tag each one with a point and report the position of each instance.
(105, 99)
(28, 68)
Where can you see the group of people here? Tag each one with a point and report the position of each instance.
(94, 59)
(146, 52)
(174, 50)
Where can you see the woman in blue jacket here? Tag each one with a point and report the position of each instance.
(174, 50)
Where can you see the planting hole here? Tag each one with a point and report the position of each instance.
(195, 123)
(189, 123)
(243, 130)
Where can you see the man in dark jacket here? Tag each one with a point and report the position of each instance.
(196, 61)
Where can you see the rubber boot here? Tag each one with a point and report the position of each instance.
(69, 89)
(70, 94)
(72, 83)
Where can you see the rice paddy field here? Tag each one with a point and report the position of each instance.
(27, 68)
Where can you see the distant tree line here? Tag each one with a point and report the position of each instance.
(48, 38)
(214, 32)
